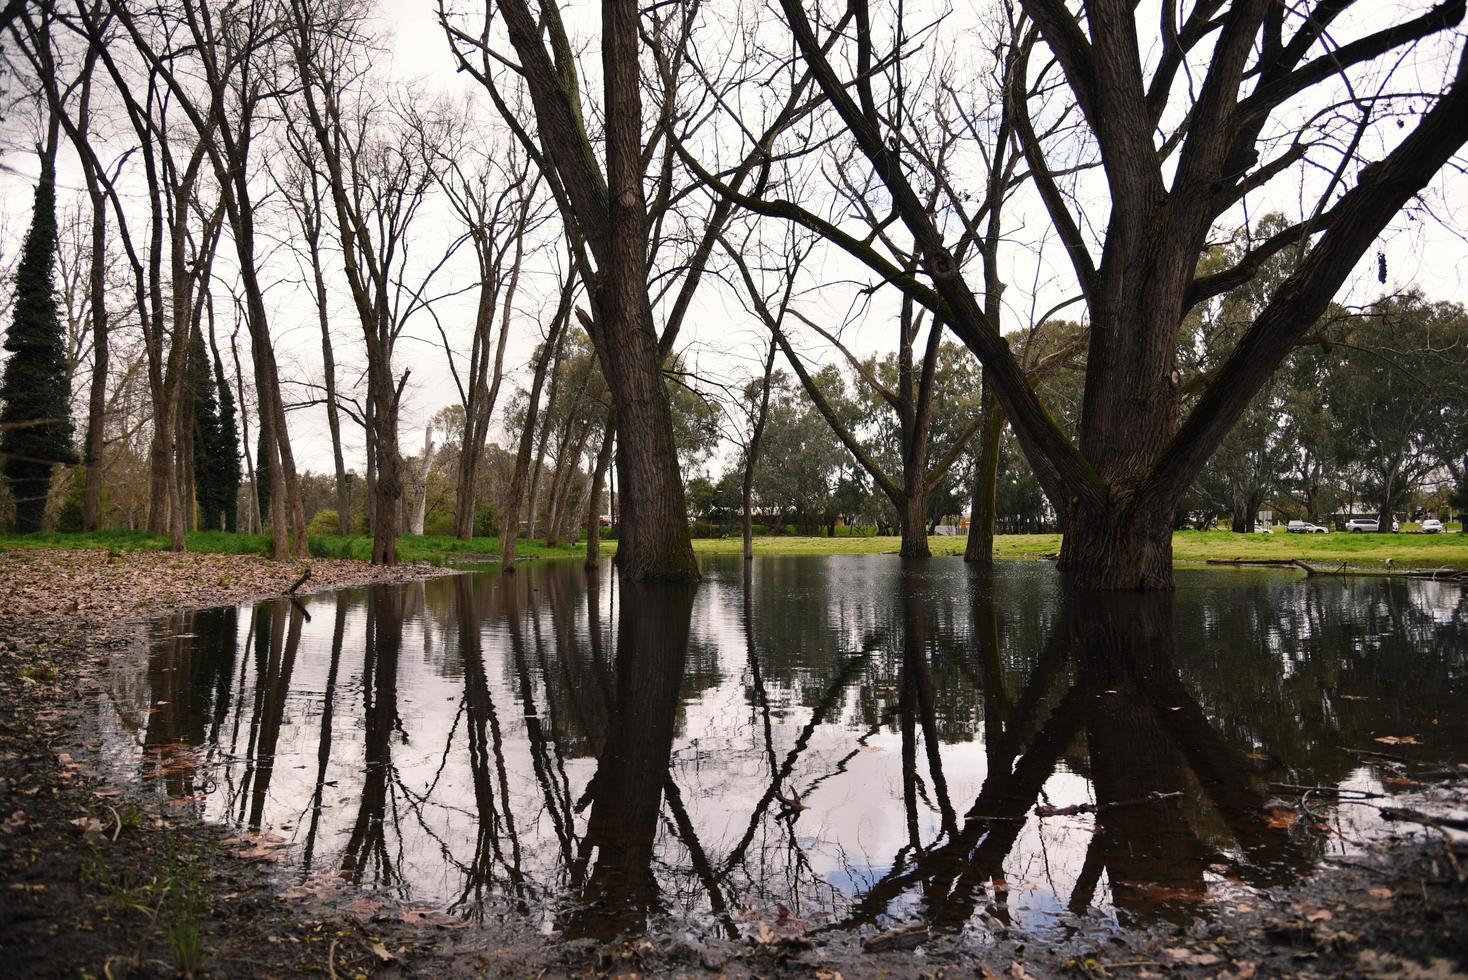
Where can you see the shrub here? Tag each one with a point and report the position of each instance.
(323, 523)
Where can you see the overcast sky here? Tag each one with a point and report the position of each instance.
(720, 339)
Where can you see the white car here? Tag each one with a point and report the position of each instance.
(1431, 526)
(1305, 527)
(1362, 525)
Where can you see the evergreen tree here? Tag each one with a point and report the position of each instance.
(35, 419)
(216, 457)
(262, 479)
(227, 451)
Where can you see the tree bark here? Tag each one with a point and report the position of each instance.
(610, 215)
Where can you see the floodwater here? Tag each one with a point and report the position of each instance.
(862, 743)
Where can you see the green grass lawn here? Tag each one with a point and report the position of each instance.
(1405, 549)
(435, 549)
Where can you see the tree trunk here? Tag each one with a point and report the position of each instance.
(532, 518)
(979, 548)
(598, 480)
(96, 437)
(515, 497)
(915, 520)
(1125, 546)
(751, 457)
(388, 492)
(561, 486)
(420, 485)
(333, 413)
(654, 542)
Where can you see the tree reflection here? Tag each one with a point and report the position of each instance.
(1147, 743)
(190, 670)
(627, 790)
(367, 857)
(856, 742)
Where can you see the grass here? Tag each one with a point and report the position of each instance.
(1404, 549)
(437, 549)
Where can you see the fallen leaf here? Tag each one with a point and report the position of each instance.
(380, 951)
(1188, 957)
(1398, 740)
(1380, 892)
(1283, 819)
(1319, 915)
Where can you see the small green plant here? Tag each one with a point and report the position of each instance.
(130, 817)
(42, 673)
(182, 921)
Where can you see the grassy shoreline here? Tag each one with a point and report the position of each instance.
(1189, 547)
(433, 549)
(1406, 549)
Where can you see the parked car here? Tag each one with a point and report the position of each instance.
(1305, 527)
(1361, 525)
(1431, 526)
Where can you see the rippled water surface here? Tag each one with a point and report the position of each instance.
(861, 743)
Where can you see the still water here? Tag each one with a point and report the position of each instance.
(860, 742)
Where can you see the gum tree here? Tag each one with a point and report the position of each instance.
(1231, 105)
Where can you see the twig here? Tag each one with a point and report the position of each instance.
(1452, 858)
(118, 829)
(1329, 789)
(331, 960)
(1067, 811)
(1416, 816)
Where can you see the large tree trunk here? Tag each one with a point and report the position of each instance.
(654, 541)
(1125, 546)
(915, 517)
(979, 548)
(388, 490)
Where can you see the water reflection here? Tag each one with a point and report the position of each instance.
(850, 739)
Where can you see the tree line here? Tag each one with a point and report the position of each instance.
(910, 164)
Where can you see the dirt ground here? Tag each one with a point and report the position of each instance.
(96, 882)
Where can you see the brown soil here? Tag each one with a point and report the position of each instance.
(98, 883)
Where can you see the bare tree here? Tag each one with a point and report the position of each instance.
(228, 85)
(494, 195)
(300, 186)
(1176, 157)
(379, 177)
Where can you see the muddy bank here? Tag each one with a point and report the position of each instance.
(98, 881)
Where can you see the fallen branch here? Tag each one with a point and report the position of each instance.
(298, 582)
(1427, 820)
(1067, 811)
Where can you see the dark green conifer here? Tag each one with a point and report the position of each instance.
(35, 411)
(228, 449)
